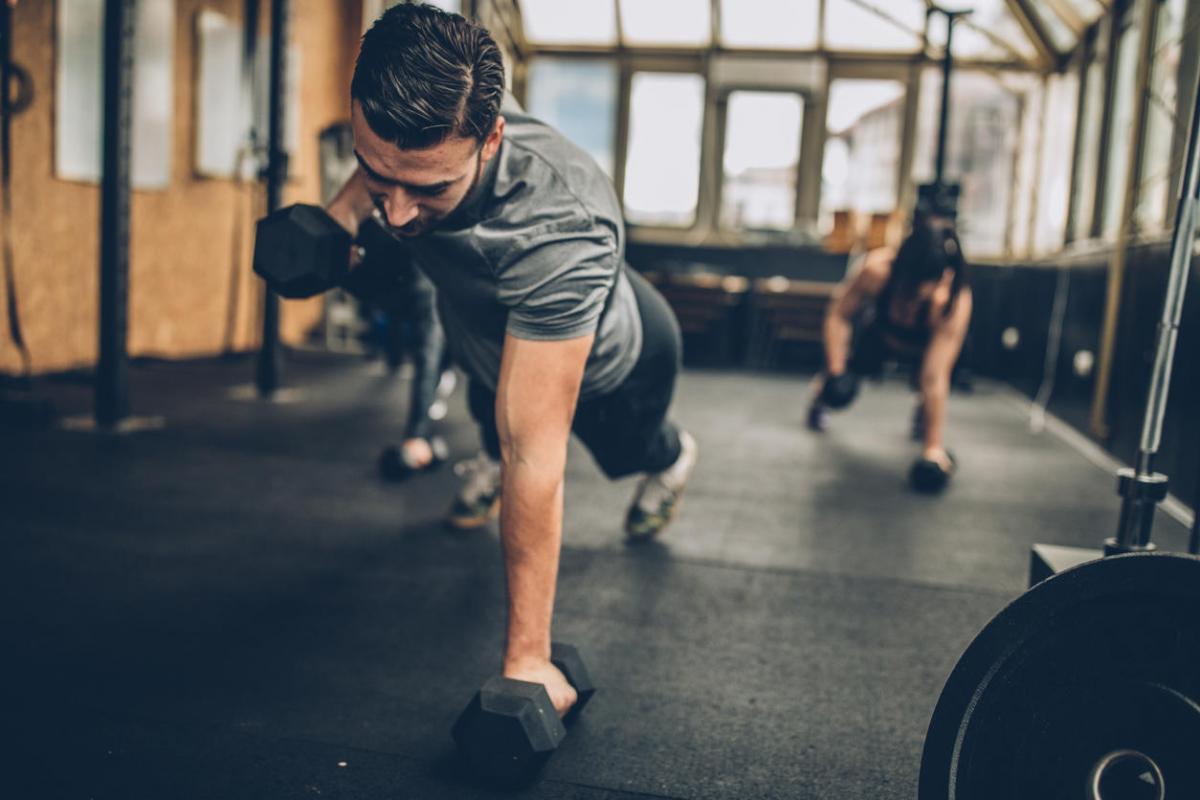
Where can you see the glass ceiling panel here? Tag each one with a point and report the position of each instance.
(679, 22)
(1062, 38)
(1088, 10)
(780, 24)
(990, 32)
(866, 25)
(570, 21)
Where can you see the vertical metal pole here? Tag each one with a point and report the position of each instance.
(269, 368)
(1133, 171)
(939, 169)
(1143, 488)
(112, 379)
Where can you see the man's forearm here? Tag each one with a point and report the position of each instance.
(352, 204)
(531, 536)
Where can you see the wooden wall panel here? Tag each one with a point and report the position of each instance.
(190, 244)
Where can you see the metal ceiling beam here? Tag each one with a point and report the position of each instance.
(1032, 25)
(1067, 13)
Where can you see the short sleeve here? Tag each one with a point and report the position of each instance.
(557, 284)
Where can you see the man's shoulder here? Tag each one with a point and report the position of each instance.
(547, 180)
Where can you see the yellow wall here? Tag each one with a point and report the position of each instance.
(183, 239)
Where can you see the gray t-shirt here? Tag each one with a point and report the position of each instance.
(533, 251)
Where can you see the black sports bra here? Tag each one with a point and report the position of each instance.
(915, 336)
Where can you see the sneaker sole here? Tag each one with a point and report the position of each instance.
(645, 537)
(471, 523)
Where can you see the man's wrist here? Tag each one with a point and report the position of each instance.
(526, 654)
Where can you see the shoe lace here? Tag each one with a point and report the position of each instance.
(655, 493)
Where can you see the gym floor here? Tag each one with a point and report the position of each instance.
(236, 607)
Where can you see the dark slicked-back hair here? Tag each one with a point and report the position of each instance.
(424, 75)
(931, 248)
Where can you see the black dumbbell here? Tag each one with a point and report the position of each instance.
(928, 477)
(510, 729)
(395, 466)
(839, 391)
(301, 251)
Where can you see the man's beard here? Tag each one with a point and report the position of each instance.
(419, 226)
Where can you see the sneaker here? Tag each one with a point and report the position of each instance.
(478, 501)
(658, 495)
(445, 388)
(818, 418)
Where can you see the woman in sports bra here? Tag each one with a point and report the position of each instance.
(912, 304)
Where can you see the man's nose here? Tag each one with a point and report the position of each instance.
(399, 209)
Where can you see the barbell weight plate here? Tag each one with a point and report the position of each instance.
(1099, 660)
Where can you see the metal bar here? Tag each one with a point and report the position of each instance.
(1137, 514)
(112, 369)
(269, 366)
(1120, 254)
(1068, 15)
(1168, 326)
(1034, 194)
(939, 164)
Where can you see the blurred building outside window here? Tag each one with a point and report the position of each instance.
(762, 153)
(860, 168)
(981, 152)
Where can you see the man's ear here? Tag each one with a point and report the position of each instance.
(492, 143)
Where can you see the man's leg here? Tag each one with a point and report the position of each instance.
(627, 431)
(429, 344)
(478, 499)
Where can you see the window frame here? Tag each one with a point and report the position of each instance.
(720, 99)
(675, 64)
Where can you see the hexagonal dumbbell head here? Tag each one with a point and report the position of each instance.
(301, 251)
(566, 657)
(508, 731)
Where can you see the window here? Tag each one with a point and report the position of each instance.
(851, 25)
(1028, 149)
(990, 31)
(762, 151)
(579, 98)
(679, 22)
(570, 21)
(1062, 39)
(769, 23)
(79, 117)
(981, 148)
(662, 169)
(1162, 108)
(1058, 137)
(1120, 122)
(1087, 10)
(863, 123)
(1088, 152)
